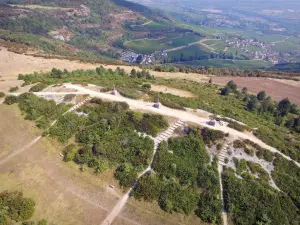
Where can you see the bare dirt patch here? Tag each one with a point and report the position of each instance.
(277, 90)
(173, 91)
(12, 64)
(289, 82)
(63, 194)
(151, 214)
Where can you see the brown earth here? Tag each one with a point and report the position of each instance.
(173, 91)
(276, 89)
(62, 193)
(11, 64)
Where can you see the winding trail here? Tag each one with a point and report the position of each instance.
(121, 203)
(19, 151)
(140, 105)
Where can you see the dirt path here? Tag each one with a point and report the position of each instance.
(181, 115)
(181, 47)
(222, 156)
(191, 44)
(276, 42)
(207, 46)
(121, 203)
(7, 158)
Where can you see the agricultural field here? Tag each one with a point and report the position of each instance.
(276, 89)
(151, 26)
(188, 54)
(218, 63)
(173, 40)
(252, 64)
(146, 46)
(286, 46)
(230, 64)
(267, 38)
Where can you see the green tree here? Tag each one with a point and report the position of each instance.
(69, 152)
(9, 100)
(261, 95)
(42, 222)
(232, 85)
(252, 103)
(284, 107)
(126, 175)
(133, 73)
(225, 91)
(245, 90)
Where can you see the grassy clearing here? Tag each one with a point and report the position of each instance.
(221, 63)
(194, 51)
(264, 38)
(252, 64)
(218, 63)
(285, 47)
(147, 46)
(151, 26)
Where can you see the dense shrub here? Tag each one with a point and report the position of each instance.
(126, 174)
(69, 152)
(9, 100)
(37, 87)
(148, 188)
(2, 94)
(13, 89)
(250, 202)
(209, 135)
(19, 208)
(287, 177)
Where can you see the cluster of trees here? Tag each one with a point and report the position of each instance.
(118, 75)
(141, 74)
(183, 180)
(221, 71)
(10, 100)
(40, 110)
(13, 89)
(283, 112)
(37, 109)
(106, 134)
(14, 207)
(287, 177)
(251, 202)
(37, 87)
(209, 136)
(202, 55)
(147, 123)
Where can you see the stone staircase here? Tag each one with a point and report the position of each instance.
(168, 133)
(223, 155)
(79, 104)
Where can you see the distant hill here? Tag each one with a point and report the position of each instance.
(86, 28)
